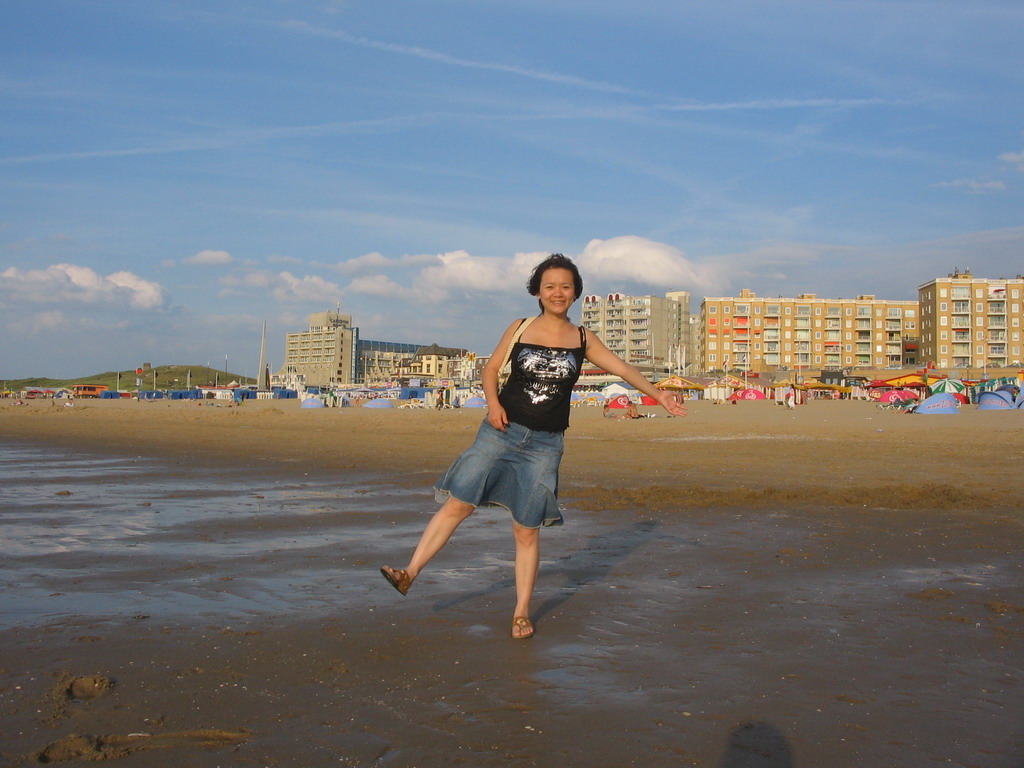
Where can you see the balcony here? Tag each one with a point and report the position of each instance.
(960, 321)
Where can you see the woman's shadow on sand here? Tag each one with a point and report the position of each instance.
(757, 745)
(585, 567)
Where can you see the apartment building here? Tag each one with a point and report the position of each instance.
(758, 335)
(380, 362)
(324, 355)
(654, 333)
(971, 322)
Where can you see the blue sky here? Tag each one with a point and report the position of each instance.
(173, 174)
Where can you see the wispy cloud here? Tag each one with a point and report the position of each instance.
(216, 258)
(445, 58)
(1015, 159)
(974, 186)
(772, 104)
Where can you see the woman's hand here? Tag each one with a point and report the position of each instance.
(670, 403)
(497, 417)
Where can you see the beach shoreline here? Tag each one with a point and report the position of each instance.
(841, 453)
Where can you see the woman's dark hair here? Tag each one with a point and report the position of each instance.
(555, 261)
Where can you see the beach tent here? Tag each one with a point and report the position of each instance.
(1000, 400)
(615, 390)
(380, 402)
(312, 402)
(475, 402)
(747, 394)
(942, 403)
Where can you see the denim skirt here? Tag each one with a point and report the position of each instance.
(516, 469)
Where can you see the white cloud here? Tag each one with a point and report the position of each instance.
(379, 285)
(210, 258)
(278, 259)
(61, 283)
(1014, 158)
(637, 260)
(312, 288)
(376, 262)
(283, 286)
(460, 271)
(48, 320)
(974, 186)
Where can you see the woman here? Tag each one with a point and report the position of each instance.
(514, 460)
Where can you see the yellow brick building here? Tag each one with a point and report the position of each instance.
(759, 335)
(970, 322)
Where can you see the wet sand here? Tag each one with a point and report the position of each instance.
(748, 586)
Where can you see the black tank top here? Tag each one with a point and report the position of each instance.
(538, 392)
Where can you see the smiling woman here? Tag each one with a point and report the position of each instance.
(514, 461)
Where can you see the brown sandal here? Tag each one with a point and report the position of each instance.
(398, 579)
(524, 626)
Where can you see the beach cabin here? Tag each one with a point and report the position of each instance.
(88, 390)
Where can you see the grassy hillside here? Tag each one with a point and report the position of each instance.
(167, 377)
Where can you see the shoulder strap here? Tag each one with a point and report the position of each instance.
(583, 338)
(519, 332)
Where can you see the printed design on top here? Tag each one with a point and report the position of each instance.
(543, 369)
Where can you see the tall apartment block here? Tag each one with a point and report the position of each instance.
(325, 355)
(653, 333)
(758, 335)
(971, 322)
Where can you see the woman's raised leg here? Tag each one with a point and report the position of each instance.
(440, 528)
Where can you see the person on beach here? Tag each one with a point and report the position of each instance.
(513, 462)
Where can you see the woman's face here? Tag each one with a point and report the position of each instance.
(557, 290)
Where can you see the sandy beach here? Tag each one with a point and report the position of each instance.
(748, 586)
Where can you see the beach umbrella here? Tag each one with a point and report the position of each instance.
(475, 402)
(312, 402)
(947, 385)
(619, 401)
(902, 395)
(380, 402)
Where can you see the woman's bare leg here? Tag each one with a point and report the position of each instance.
(440, 528)
(527, 561)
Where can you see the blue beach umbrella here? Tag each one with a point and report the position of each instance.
(312, 402)
(380, 402)
(475, 402)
